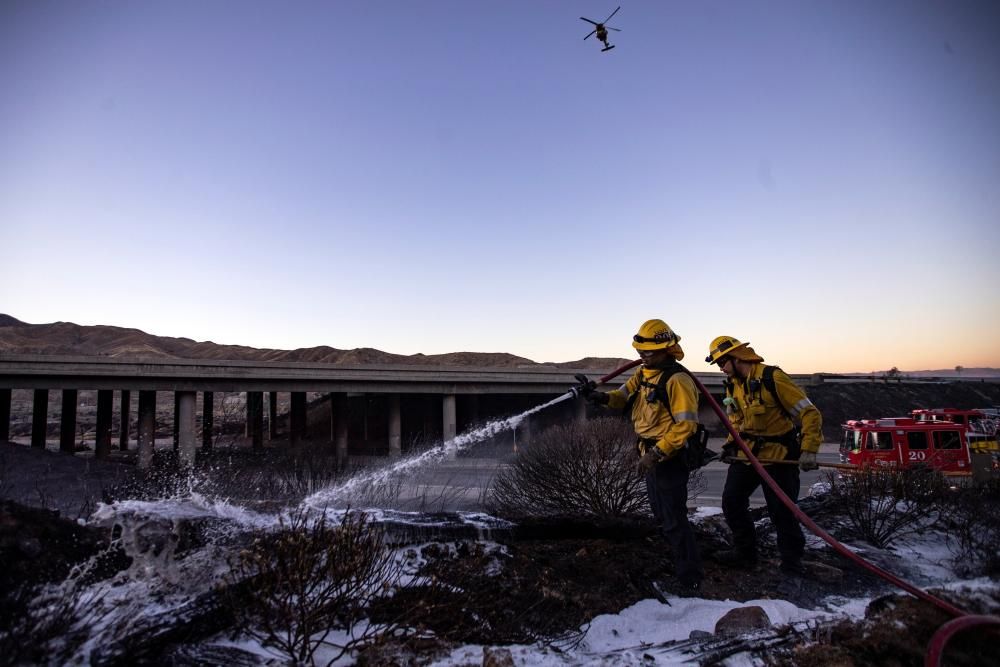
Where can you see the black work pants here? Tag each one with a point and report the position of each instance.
(741, 482)
(666, 487)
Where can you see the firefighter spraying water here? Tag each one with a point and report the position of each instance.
(661, 400)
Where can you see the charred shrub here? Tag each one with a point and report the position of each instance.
(885, 504)
(580, 469)
(286, 474)
(971, 520)
(471, 592)
(47, 624)
(310, 584)
(283, 475)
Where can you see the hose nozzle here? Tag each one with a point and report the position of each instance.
(585, 388)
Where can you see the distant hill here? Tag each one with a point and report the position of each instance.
(966, 372)
(66, 338)
(977, 372)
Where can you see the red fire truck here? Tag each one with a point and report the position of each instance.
(903, 442)
(981, 425)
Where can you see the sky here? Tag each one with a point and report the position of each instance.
(816, 178)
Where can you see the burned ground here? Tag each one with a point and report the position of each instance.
(547, 580)
(552, 577)
(896, 630)
(547, 588)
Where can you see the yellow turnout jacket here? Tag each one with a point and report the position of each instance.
(652, 419)
(756, 413)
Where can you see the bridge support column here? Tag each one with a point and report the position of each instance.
(395, 427)
(125, 421)
(39, 417)
(580, 410)
(5, 395)
(105, 406)
(338, 412)
(177, 411)
(67, 421)
(332, 397)
(147, 427)
(298, 418)
(272, 415)
(449, 421)
(255, 418)
(207, 419)
(186, 428)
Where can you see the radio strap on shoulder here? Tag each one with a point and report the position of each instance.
(659, 389)
(768, 381)
(695, 453)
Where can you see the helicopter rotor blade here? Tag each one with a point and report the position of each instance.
(590, 33)
(582, 18)
(612, 14)
(615, 29)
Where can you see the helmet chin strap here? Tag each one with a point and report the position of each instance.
(658, 361)
(737, 371)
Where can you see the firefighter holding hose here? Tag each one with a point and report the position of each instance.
(662, 402)
(777, 421)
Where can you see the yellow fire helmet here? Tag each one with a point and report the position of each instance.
(655, 335)
(722, 346)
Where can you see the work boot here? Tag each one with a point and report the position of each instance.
(736, 558)
(789, 587)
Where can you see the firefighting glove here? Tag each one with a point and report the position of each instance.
(807, 461)
(598, 398)
(586, 387)
(649, 460)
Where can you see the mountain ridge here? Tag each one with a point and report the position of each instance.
(68, 338)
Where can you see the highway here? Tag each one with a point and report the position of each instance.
(462, 481)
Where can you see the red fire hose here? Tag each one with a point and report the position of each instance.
(963, 621)
(586, 385)
(936, 646)
(618, 371)
(809, 523)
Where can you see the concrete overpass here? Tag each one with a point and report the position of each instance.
(457, 394)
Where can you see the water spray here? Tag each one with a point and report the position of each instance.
(324, 498)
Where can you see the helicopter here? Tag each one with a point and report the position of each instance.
(602, 30)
